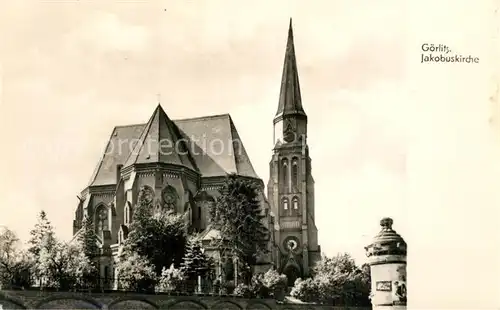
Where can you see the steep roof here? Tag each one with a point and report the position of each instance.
(115, 154)
(161, 141)
(290, 101)
(214, 147)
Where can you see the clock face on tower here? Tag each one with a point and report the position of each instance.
(289, 134)
(291, 244)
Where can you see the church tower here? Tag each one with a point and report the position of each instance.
(291, 185)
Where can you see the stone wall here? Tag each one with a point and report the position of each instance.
(35, 299)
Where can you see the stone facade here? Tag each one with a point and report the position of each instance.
(291, 185)
(180, 166)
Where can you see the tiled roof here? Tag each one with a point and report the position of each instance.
(115, 154)
(161, 142)
(210, 233)
(213, 143)
(216, 146)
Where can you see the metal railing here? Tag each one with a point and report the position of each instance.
(121, 284)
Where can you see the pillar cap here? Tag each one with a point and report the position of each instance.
(386, 223)
(387, 241)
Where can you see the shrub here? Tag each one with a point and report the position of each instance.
(228, 287)
(243, 290)
(258, 287)
(273, 280)
(337, 281)
(305, 290)
(171, 280)
(136, 273)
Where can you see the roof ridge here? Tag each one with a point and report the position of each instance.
(201, 117)
(145, 130)
(176, 134)
(233, 151)
(158, 113)
(130, 125)
(235, 135)
(96, 172)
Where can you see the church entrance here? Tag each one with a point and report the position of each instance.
(292, 273)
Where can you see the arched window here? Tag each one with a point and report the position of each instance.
(204, 201)
(120, 236)
(285, 203)
(170, 197)
(127, 214)
(295, 203)
(106, 274)
(146, 194)
(295, 174)
(284, 174)
(101, 219)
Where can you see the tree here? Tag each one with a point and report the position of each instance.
(364, 284)
(342, 263)
(14, 263)
(136, 273)
(195, 262)
(79, 267)
(237, 214)
(42, 238)
(336, 281)
(88, 239)
(65, 266)
(42, 229)
(87, 242)
(152, 233)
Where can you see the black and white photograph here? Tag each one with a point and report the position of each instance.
(234, 155)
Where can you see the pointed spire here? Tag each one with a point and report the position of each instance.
(290, 101)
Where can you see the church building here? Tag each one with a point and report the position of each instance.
(180, 166)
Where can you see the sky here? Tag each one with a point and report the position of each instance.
(388, 136)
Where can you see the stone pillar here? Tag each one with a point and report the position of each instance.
(387, 260)
(235, 267)
(218, 258)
